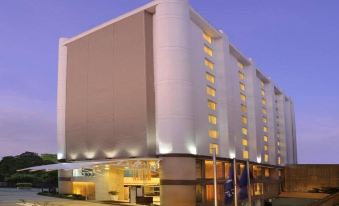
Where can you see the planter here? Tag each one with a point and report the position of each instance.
(114, 197)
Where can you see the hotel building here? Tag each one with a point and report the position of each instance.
(145, 98)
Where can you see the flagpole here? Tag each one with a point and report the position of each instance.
(235, 182)
(249, 183)
(215, 177)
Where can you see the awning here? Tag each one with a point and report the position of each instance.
(87, 164)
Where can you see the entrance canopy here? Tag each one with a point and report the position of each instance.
(89, 164)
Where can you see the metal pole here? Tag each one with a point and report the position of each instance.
(249, 183)
(235, 182)
(215, 177)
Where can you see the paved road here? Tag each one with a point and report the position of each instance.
(9, 197)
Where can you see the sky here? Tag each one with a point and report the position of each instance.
(296, 43)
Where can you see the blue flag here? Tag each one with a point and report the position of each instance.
(229, 186)
(243, 183)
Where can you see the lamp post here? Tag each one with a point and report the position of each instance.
(215, 176)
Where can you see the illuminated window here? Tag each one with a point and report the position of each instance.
(245, 154)
(208, 51)
(243, 108)
(258, 189)
(266, 157)
(244, 142)
(212, 105)
(264, 120)
(278, 143)
(207, 37)
(278, 151)
(213, 133)
(244, 119)
(212, 119)
(265, 138)
(262, 92)
(244, 131)
(210, 91)
(279, 160)
(264, 111)
(210, 77)
(265, 147)
(243, 97)
(242, 86)
(240, 65)
(209, 64)
(263, 101)
(265, 129)
(214, 147)
(262, 83)
(241, 75)
(267, 172)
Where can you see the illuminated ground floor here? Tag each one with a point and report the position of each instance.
(167, 180)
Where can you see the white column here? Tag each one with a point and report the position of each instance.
(61, 99)
(173, 78)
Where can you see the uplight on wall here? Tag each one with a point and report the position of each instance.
(89, 155)
(259, 159)
(192, 149)
(60, 156)
(165, 148)
(232, 154)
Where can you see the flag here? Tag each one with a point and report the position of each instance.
(243, 183)
(229, 186)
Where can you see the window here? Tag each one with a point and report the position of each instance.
(244, 142)
(242, 86)
(213, 133)
(208, 51)
(265, 129)
(267, 172)
(245, 154)
(262, 92)
(258, 189)
(264, 120)
(264, 111)
(243, 108)
(243, 97)
(244, 131)
(279, 160)
(278, 143)
(212, 119)
(207, 37)
(212, 105)
(262, 83)
(210, 78)
(240, 65)
(265, 148)
(241, 75)
(209, 169)
(214, 147)
(244, 119)
(209, 64)
(266, 157)
(265, 138)
(263, 101)
(210, 91)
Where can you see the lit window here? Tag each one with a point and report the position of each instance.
(278, 143)
(267, 172)
(210, 91)
(214, 147)
(244, 131)
(279, 160)
(244, 142)
(245, 154)
(212, 105)
(264, 120)
(244, 119)
(212, 119)
(266, 157)
(208, 51)
(207, 37)
(240, 65)
(278, 151)
(262, 92)
(264, 111)
(262, 83)
(263, 101)
(209, 64)
(213, 133)
(210, 77)
(265, 147)
(243, 108)
(243, 97)
(241, 75)
(242, 86)
(265, 138)
(265, 129)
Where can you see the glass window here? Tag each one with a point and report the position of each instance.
(243, 108)
(266, 157)
(244, 142)
(240, 65)
(207, 37)
(208, 50)
(258, 189)
(210, 91)
(210, 78)
(245, 154)
(209, 169)
(212, 119)
(265, 147)
(243, 97)
(262, 92)
(244, 119)
(209, 64)
(244, 131)
(263, 101)
(242, 86)
(264, 111)
(262, 83)
(265, 129)
(214, 147)
(279, 160)
(265, 138)
(212, 105)
(278, 143)
(241, 75)
(264, 120)
(213, 133)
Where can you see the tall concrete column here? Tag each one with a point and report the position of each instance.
(173, 78)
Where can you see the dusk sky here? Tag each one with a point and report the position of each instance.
(296, 43)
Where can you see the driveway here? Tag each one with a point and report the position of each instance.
(10, 197)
